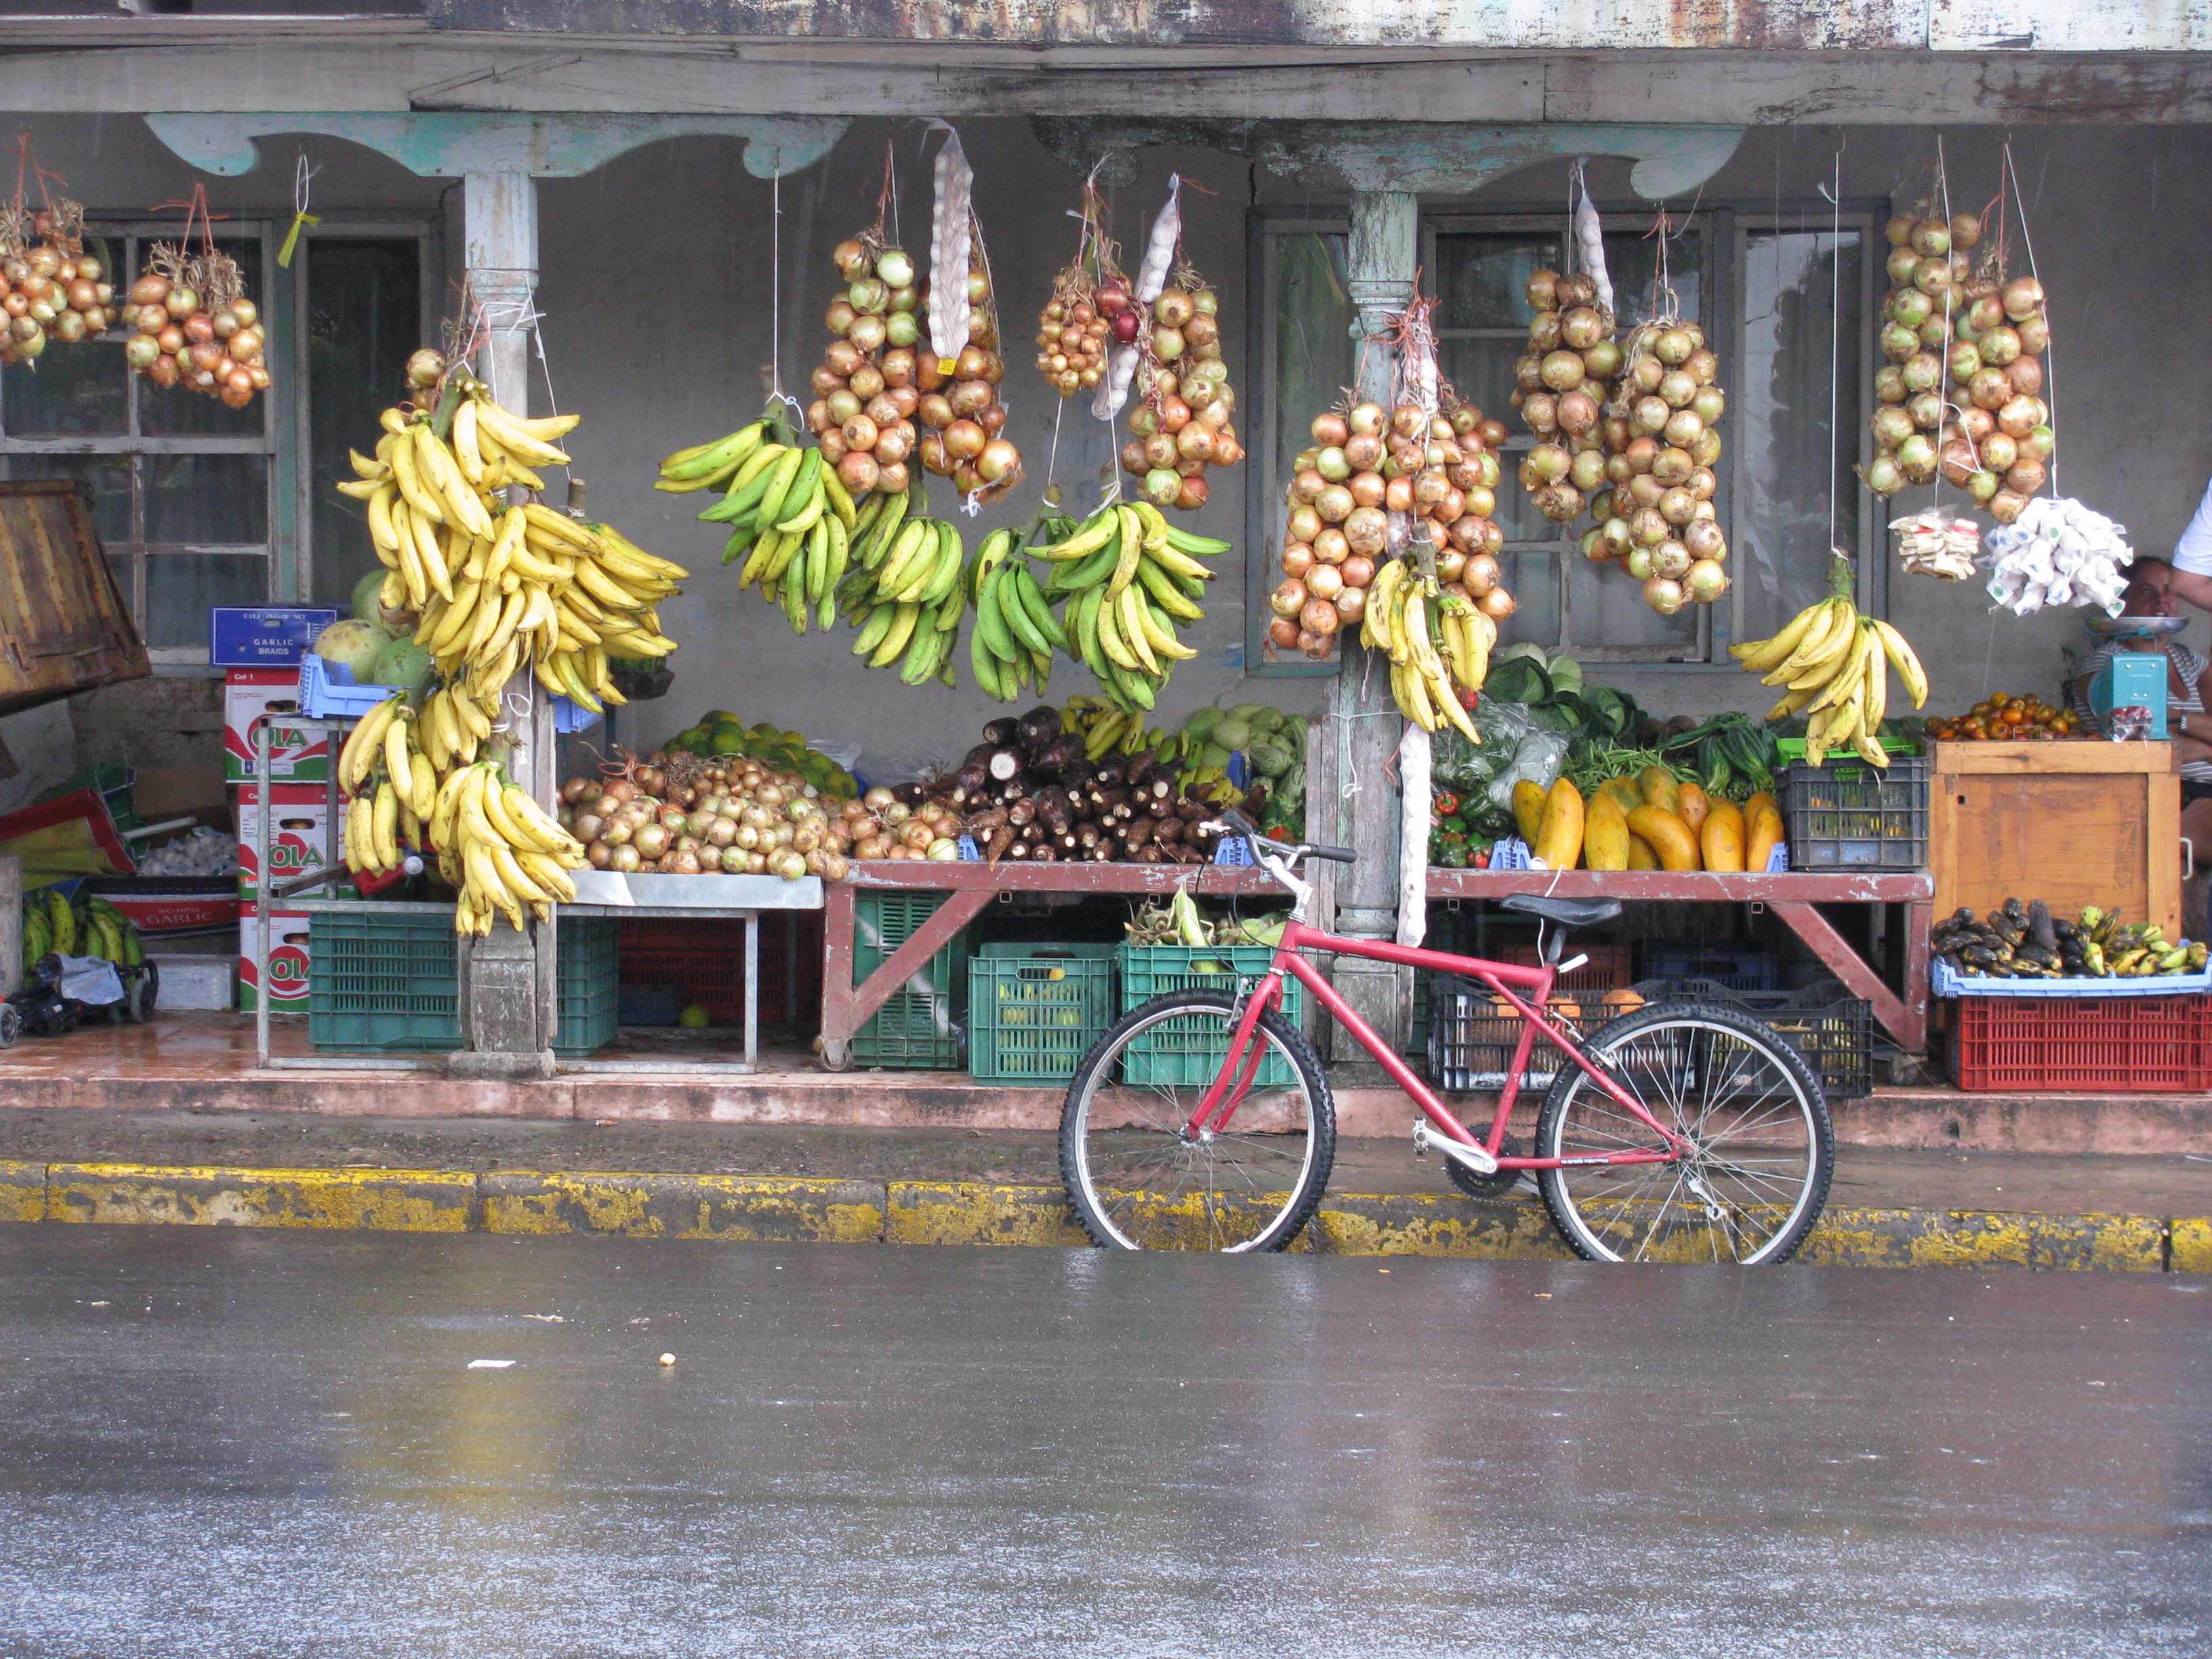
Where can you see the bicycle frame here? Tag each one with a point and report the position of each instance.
(1241, 1063)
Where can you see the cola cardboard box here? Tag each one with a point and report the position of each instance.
(287, 972)
(295, 756)
(299, 835)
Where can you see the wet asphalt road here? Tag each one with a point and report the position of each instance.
(242, 1443)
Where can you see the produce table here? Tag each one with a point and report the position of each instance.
(1793, 896)
(969, 888)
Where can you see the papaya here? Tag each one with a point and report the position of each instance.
(1721, 838)
(1624, 791)
(1669, 836)
(1657, 784)
(1605, 833)
(1529, 810)
(1760, 799)
(1690, 806)
(1640, 855)
(1760, 838)
(1558, 841)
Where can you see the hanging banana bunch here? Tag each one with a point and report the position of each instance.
(1011, 645)
(495, 588)
(908, 589)
(791, 518)
(1407, 614)
(1129, 577)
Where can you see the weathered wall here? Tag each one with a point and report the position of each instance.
(657, 318)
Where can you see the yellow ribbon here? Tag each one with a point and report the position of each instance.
(292, 237)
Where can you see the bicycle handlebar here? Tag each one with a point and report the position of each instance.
(1238, 823)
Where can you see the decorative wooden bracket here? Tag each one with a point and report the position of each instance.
(448, 144)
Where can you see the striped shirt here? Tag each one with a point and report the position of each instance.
(2188, 700)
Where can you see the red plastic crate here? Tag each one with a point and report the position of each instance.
(2107, 1045)
(705, 956)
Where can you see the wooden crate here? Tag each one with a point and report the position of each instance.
(2070, 823)
(64, 625)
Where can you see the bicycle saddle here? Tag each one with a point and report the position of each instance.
(1567, 912)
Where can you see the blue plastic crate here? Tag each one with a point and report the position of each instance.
(327, 692)
(1737, 967)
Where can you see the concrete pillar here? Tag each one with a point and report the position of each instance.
(11, 924)
(508, 979)
(1385, 251)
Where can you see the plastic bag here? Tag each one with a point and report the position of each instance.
(1537, 757)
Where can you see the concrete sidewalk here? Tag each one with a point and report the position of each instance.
(1887, 1207)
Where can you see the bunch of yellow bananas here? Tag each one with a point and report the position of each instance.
(792, 520)
(1832, 659)
(1129, 576)
(905, 592)
(503, 851)
(1439, 644)
(392, 786)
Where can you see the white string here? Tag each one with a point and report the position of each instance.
(302, 175)
(2049, 381)
(776, 393)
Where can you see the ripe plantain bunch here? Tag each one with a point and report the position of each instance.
(1832, 659)
(1129, 576)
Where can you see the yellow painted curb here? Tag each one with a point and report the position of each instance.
(758, 1209)
(974, 1212)
(2190, 1246)
(1986, 1239)
(22, 1192)
(772, 1209)
(391, 1200)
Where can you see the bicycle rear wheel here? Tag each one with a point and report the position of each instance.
(1139, 1180)
(1762, 1151)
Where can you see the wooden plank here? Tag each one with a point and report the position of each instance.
(1905, 1017)
(1022, 876)
(845, 1007)
(1801, 886)
(64, 625)
(2074, 756)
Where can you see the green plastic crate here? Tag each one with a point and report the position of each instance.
(1035, 1009)
(919, 1028)
(1186, 1054)
(391, 983)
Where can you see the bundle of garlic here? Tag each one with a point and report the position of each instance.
(1934, 543)
(2058, 552)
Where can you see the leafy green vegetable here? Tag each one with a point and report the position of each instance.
(1517, 680)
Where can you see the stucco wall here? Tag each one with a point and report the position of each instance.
(658, 305)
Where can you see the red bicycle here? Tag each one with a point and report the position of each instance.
(1679, 1131)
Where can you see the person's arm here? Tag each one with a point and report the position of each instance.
(2192, 557)
(2187, 584)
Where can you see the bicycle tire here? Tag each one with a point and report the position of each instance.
(1109, 1213)
(1788, 1082)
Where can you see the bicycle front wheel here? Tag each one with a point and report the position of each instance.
(1139, 1179)
(1760, 1149)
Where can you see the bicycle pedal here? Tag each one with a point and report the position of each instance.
(1476, 1158)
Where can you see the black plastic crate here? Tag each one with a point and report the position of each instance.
(1832, 1029)
(1471, 1035)
(1848, 815)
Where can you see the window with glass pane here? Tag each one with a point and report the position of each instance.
(1796, 425)
(178, 483)
(1309, 359)
(363, 317)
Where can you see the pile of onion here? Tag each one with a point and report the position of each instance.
(1366, 463)
(1948, 329)
(734, 816)
(1180, 421)
(896, 831)
(54, 291)
(866, 392)
(196, 328)
(1656, 515)
(1074, 330)
(960, 405)
(1561, 387)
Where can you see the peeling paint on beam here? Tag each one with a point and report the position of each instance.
(1756, 25)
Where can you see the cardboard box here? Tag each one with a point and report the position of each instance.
(287, 954)
(263, 635)
(295, 756)
(299, 840)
